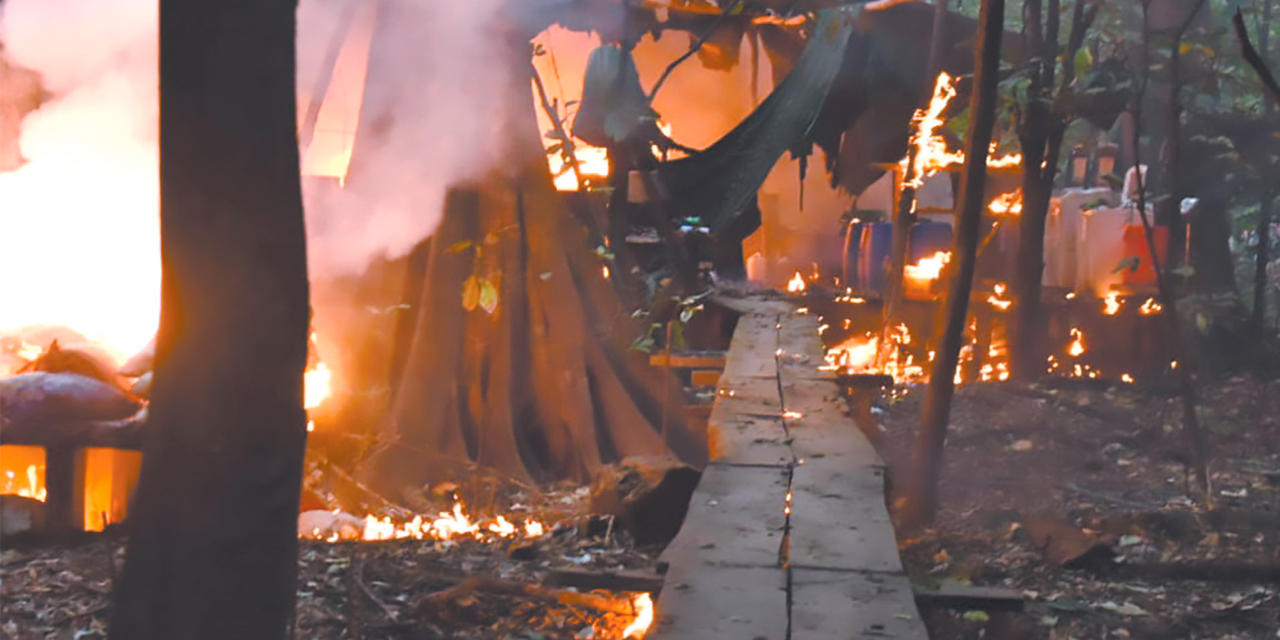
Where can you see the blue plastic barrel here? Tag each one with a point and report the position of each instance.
(927, 238)
(849, 257)
(873, 254)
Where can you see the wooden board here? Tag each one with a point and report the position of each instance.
(838, 605)
(740, 603)
(839, 519)
(826, 427)
(751, 352)
(735, 519)
(749, 440)
(689, 360)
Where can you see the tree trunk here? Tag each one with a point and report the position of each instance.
(213, 530)
(922, 498)
(1040, 134)
(1258, 319)
(519, 358)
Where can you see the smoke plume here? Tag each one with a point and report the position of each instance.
(432, 115)
(80, 219)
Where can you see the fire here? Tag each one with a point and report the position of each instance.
(1007, 204)
(862, 355)
(1150, 307)
(447, 525)
(643, 604)
(593, 162)
(796, 284)
(1112, 303)
(1076, 348)
(927, 269)
(316, 383)
(997, 298)
(932, 155)
(31, 488)
(931, 150)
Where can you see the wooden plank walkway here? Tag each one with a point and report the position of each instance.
(787, 536)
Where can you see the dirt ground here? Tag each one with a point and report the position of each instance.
(420, 589)
(1076, 496)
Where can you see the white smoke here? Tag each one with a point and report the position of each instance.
(79, 224)
(80, 220)
(432, 116)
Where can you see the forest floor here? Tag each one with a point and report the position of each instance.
(461, 588)
(1075, 495)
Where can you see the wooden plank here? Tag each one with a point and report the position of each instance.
(751, 349)
(825, 427)
(836, 605)
(742, 603)
(958, 598)
(749, 396)
(690, 360)
(749, 440)
(839, 519)
(735, 519)
(754, 305)
(584, 580)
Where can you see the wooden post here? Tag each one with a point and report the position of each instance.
(64, 484)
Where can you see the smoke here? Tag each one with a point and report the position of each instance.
(79, 223)
(80, 220)
(435, 106)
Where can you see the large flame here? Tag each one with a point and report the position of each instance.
(447, 525)
(927, 269)
(931, 153)
(644, 617)
(1007, 204)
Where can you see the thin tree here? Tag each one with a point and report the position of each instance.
(1257, 61)
(922, 497)
(1041, 127)
(213, 529)
(1193, 436)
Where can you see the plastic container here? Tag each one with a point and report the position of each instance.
(849, 256)
(927, 238)
(1135, 246)
(875, 247)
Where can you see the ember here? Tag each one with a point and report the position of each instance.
(997, 299)
(1150, 307)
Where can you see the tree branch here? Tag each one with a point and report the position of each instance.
(1255, 61)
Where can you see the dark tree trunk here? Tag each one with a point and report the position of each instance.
(922, 498)
(1258, 319)
(539, 385)
(213, 531)
(1040, 133)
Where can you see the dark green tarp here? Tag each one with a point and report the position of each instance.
(717, 183)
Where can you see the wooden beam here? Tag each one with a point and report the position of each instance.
(958, 598)
(689, 360)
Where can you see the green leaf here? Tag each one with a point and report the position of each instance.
(976, 616)
(488, 296)
(643, 343)
(1084, 60)
(461, 245)
(1185, 271)
(471, 293)
(1129, 264)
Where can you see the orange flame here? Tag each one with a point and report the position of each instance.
(997, 299)
(447, 525)
(796, 284)
(643, 604)
(1007, 204)
(593, 162)
(1112, 303)
(927, 269)
(1077, 343)
(932, 155)
(1150, 307)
